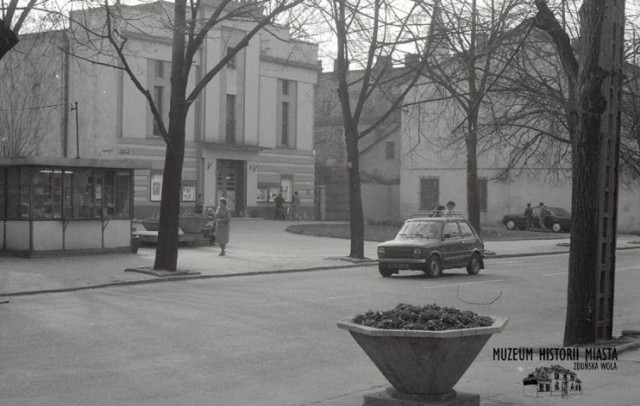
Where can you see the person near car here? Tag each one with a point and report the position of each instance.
(528, 215)
(223, 219)
(450, 209)
(542, 216)
(437, 210)
(279, 214)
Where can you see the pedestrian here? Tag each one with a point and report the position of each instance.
(528, 215)
(437, 210)
(199, 204)
(222, 225)
(450, 206)
(542, 215)
(279, 214)
(295, 203)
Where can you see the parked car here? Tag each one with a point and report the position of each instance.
(432, 244)
(557, 220)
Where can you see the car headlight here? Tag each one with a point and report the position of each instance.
(417, 252)
(381, 251)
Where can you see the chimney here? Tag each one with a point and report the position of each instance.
(384, 62)
(411, 60)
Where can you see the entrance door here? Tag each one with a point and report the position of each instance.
(231, 184)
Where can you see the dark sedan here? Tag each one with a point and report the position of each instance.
(557, 220)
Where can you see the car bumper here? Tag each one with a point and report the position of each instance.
(402, 261)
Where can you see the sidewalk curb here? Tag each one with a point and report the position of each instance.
(184, 278)
(254, 273)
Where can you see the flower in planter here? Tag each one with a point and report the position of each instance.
(429, 317)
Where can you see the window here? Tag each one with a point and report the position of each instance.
(285, 124)
(2, 193)
(158, 99)
(158, 84)
(47, 193)
(231, 64)
(390, 150)
(482, 193)
(451, 228)
(326, 107)
(231, 119)
(286, 113)
(466, 230)
(18, 193)
(429, 193)
(159, 69)
(123, 195)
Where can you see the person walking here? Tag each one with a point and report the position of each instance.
(279, 214)
(223, 218)
(295, 204)
(542, 215)
(528, 215)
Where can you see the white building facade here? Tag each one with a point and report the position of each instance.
(249, 134)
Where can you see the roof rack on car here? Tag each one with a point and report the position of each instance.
(437, 213)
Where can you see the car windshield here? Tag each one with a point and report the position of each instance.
(420, 229)
(559, 211)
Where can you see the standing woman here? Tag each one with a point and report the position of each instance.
(222, 225)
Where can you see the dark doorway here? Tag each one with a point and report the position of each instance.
(231, 184)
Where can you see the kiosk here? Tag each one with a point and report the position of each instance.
(62, 206)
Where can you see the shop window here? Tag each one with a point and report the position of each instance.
(123, 194)
(18, 186)
(47, 193)
(3, 173)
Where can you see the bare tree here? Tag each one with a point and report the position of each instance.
(105, 34)
(15, 14)
(463, 46)
(368, 34)
(27, 81)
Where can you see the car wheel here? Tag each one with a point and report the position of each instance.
(434, 267)
(384, 270)
(475, 263)
(556, 227)
(511, 225)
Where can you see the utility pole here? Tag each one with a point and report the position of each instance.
(611, 61)
(75, 108)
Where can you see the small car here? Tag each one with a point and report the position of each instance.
(432, 244)
(557, 220)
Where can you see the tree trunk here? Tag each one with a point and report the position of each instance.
(471, 143)
(167, 246)
(580, 322)
(355, 194)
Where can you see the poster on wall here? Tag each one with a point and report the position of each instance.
(156, 187)
(189, 191)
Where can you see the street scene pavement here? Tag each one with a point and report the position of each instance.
(81, 331)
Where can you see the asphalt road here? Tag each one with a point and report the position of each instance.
(266, 340)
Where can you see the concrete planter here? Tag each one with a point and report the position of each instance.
(422, 363)
(193, 225)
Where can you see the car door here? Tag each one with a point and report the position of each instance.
(452, 247)
(469, 242)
